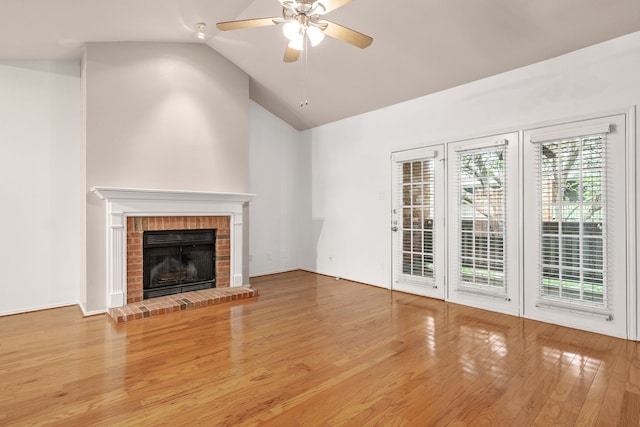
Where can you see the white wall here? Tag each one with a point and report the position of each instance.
(163, 101)
(164, 116)
(274, 176)
(39, 184)
(347, 229)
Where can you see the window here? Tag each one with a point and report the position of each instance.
(482, 203)
(536, 223)
(482, 226)
(571, 214)
(575, 224)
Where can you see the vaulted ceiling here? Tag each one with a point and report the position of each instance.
(420, 46)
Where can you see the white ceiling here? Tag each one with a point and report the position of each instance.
(419, 47)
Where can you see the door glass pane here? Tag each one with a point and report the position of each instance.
(417, 218)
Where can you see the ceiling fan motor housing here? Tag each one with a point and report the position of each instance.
(304, 7)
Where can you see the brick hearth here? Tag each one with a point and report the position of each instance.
(178, 302)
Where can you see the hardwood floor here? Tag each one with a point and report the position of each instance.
(310, 350)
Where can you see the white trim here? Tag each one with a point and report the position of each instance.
(86, 313)
(521, 224)
(481, 291)
(111, 193)
(425, 291)
(633, 329)
(536, 308)
(272, 272)
(431, 287)
(572, 132)
(124, 202)
(576, 308)
(508, 302)
(521, 127)
(599, 326)
(38, 308)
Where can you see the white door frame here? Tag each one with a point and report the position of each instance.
(435, 287)
(508, 303)
(621, 234)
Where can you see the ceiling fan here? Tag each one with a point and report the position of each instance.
(302, 23)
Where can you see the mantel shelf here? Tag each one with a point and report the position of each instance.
(117, 193)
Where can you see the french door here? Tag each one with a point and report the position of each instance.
(418, 240)
(536, 223)
(483, 243)
(575, 228)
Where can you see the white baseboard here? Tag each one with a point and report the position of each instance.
(267, 273)
(87, 313)
(37, 308)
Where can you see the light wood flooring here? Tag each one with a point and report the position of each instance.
(313, 351)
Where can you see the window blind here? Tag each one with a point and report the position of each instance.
(416, 204)
(482, 219)
(572, 215)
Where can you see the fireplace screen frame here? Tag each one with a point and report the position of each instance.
(184, 269)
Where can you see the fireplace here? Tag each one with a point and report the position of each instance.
(176, 261)
(132, 211)
(170, 234)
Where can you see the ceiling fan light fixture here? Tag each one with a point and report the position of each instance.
(316, 35)
(302, 26)
(292, 29)
(297, 44)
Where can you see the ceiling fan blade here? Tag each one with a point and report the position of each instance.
(346, 34)
(291, 55)
(330, 5)
(245, 23)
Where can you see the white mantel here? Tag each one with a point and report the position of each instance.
(124, 202)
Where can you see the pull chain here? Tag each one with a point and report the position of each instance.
(304, 72)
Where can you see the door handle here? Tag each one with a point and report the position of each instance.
(394, 228)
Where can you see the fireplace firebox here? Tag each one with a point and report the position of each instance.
(176, 261)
